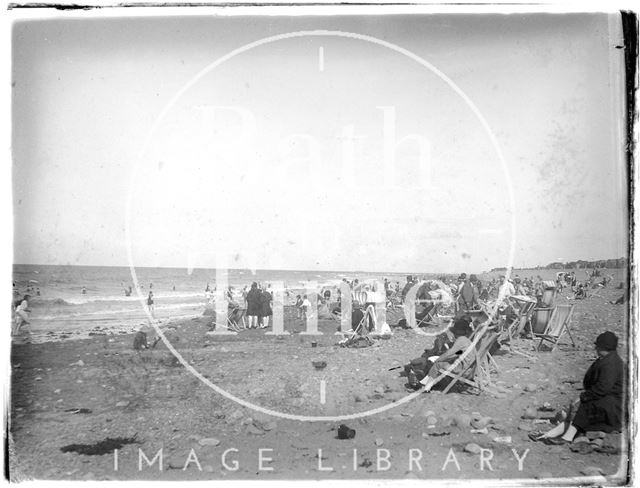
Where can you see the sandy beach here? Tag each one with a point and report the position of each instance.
(85, 391)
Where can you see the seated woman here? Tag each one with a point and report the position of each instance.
(600, 404)
(418, 368)
(445, 360)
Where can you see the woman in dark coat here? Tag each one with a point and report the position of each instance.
(265, 308)
(600, 404)
(253, 305)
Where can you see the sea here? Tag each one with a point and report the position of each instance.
(73, 302)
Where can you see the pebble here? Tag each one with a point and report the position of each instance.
(592, 471)
(463, 420)
(123, 403)
(530, 413)
(481, 423)
(544, 475)
(269, 426)
(531, 387)
(252, 429)
(209, 441)
(581, 439)
(472, 448)
(432, 420)
(597, 442)
(176, 461)
(525, 427)
(379, 442)
(57, 390)
(503, 440)
(446, 421)
(595, 434)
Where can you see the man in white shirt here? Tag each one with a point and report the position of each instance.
(506, 289)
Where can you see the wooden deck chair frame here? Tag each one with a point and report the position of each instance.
(557, 326)
(478, 367)
(430, 317)
(524, 311)
(477, 374)
(231, 324)
(361, 329)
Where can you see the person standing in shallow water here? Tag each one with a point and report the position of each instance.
(21, 316)
(150, 303)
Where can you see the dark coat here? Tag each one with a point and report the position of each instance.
(265, 304)
(253, 302)
(601, 401)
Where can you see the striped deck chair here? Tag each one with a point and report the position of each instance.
(361, 329)
(557, 326)
(476, 372)
(523, 308)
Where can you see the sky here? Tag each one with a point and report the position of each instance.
(332, 152)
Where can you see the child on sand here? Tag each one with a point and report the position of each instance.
(306, 308)
(299, 306)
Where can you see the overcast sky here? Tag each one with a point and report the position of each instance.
(276, 156)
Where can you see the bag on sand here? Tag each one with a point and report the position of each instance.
(140, 341)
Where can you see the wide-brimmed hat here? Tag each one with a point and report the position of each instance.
(607, 341)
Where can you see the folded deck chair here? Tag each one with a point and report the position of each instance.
(428, 315)
(557, 326)
(476, 372)
(361, 330)
(523, 308)
(235, 316)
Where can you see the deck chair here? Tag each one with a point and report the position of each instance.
(235, 316)
(557, 326)
(477, 371)
(427, 316)
(361, 330)
(523, 308)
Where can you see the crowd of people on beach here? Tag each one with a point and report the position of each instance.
(598, 408)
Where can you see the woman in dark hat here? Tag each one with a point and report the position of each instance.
(600, 405)
(461, 330)
(253, 305)
(265, 307)
(418, 368)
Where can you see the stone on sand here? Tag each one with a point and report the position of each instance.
(544, 475)
(209, 441)
(592, 471)
(595, 434)
(473, 448)
(463, 420)
(530, 387)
